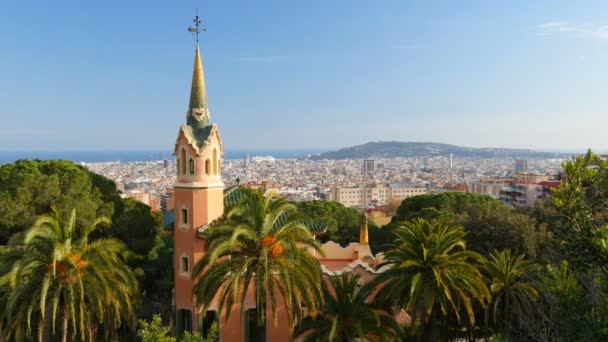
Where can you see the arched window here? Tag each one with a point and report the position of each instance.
(182, 159)
(214, 161)
(177, 163)
(207, 167)
(191, 162)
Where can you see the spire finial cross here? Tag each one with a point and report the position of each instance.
(196, 29)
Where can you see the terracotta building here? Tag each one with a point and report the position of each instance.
(198, 198)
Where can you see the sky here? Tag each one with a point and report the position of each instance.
(316, 74)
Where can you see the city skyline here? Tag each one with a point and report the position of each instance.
(319, 76)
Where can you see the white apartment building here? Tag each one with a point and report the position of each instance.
(379, 194)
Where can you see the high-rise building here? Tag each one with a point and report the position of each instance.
(521, 165)
(198, 194)
(369, 166)
(425, 163)
(451, 161)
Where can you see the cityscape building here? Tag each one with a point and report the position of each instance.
(375, 195)
(521, 165)
(490, 186)
(525, 189)
(369, 166)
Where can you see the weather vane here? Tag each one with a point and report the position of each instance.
(196, 29)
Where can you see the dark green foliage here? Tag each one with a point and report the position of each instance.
(489, 223)
(55, 272)
(136, 225)
(342, 223)
(28, 188)
(347, 315)
(514, 296)
(582, 205)
(157, 282)
(575, 306)
(574, 289)
(431, 276)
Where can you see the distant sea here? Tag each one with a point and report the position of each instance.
(131, 156)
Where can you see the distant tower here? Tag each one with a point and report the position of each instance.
(165, 162)
(451, 160)
(425, 162)
(198, 192)
(369, 166)
(521, 165)
(247, 160)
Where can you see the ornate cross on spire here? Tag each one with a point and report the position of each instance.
(196, 29)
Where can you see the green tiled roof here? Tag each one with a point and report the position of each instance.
(198, 121)
(199, 134)
(198, 92)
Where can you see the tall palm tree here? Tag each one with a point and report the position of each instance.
(513, 296)
(430, 274)
(261, 244)
(347, 315)
(53, 272)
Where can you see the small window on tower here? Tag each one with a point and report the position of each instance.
(184, 216)
(207, 167)
(182, 158)
(215, 162)
(191, 166)
(185, 266)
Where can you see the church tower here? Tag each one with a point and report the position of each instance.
(198, 193)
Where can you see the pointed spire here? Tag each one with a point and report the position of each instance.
(198, 93)
(363, 231)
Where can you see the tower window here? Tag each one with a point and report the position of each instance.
(184, 216)
(185, 265)
(214, 161)
(207, 167)
(191, 162)
(182, 164)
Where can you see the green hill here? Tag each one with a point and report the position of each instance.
(392, 149)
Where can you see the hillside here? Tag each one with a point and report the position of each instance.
(392, 149)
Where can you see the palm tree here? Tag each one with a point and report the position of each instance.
(54, 273)
(513, 297)
(347, 315)
(261, 244)
(430, 274)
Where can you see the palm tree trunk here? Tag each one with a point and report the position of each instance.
(89, 328)
(40, 330)
(64, 333)
(46, 330)
(422, 329)
(506, 315)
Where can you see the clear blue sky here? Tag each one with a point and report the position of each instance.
(306, 74)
